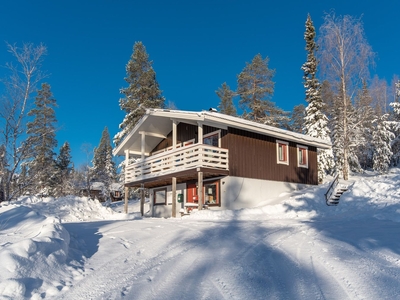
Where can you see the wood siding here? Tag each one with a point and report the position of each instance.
(253, 155)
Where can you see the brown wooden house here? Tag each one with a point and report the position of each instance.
(208, 159)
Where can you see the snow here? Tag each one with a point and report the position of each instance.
(290, 247)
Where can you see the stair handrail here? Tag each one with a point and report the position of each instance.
(331, 188)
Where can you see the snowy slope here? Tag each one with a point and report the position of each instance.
(293, 247)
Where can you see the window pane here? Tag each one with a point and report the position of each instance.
(160, 196)
(210, 193)
(211, 140)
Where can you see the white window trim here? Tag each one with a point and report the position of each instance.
(214, 133)
(277, 152)
(298, 158)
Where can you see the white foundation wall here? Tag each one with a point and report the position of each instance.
(165, 211)
(239, 192)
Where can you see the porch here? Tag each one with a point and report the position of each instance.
(183, 163)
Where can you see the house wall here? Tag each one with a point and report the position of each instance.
(165, 211)
(235, 193)
(252, 155)
(240, 192)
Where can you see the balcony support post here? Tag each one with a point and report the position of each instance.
(174, 197)
(126, 189)
(200, 189)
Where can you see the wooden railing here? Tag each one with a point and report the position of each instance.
(331, 189)
(184, 158)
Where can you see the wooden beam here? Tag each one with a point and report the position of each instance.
(126, 195)
(174, 197)
(161, 136)
(200, 189)
(174, 133)
(142, 200)
(200, 133)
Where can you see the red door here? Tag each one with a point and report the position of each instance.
(192, 193)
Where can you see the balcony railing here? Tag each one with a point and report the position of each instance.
(180, 159)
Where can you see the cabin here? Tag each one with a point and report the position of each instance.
(116, 192)
(98, 191)
(208, 160)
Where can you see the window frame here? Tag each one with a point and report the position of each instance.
(286, 152)
(155, 198)
(217, 193)
(305, 149)
(217, 132)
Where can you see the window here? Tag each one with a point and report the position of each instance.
(160, 196)
(211, 193)
(282, 152)
(302, 156)
(212, 138)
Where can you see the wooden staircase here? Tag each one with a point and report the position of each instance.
(335, 191)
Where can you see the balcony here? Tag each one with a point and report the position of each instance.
(177, 161)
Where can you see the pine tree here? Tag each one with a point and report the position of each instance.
(42, 137)
(382, 138)
(226, 95)
(62, 184)
(255, 89)
(142, 93)
(315, 121)
(104, 169)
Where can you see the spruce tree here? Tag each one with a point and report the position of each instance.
(226, 95)
(395, 125)
(62, 180)
(382, 138)
(42, 138)
(296, 123)
(142, 93)
(104, 169)
(315, 121)
(255, 89)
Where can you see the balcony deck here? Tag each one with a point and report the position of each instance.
(184, 162)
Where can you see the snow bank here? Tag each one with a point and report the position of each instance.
(38, 261)
(34, 251)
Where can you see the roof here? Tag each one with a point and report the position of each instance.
(157, 124)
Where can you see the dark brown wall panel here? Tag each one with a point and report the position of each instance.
(253, 155)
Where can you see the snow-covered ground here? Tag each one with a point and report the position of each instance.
(294, 247)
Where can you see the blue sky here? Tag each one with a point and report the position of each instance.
(195, 47)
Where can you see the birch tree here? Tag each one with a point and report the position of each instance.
(345, 60)
(25, 74)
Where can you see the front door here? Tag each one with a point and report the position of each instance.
(192, 193)
(210, 193)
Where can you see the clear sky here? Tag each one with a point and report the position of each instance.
(195, 47)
